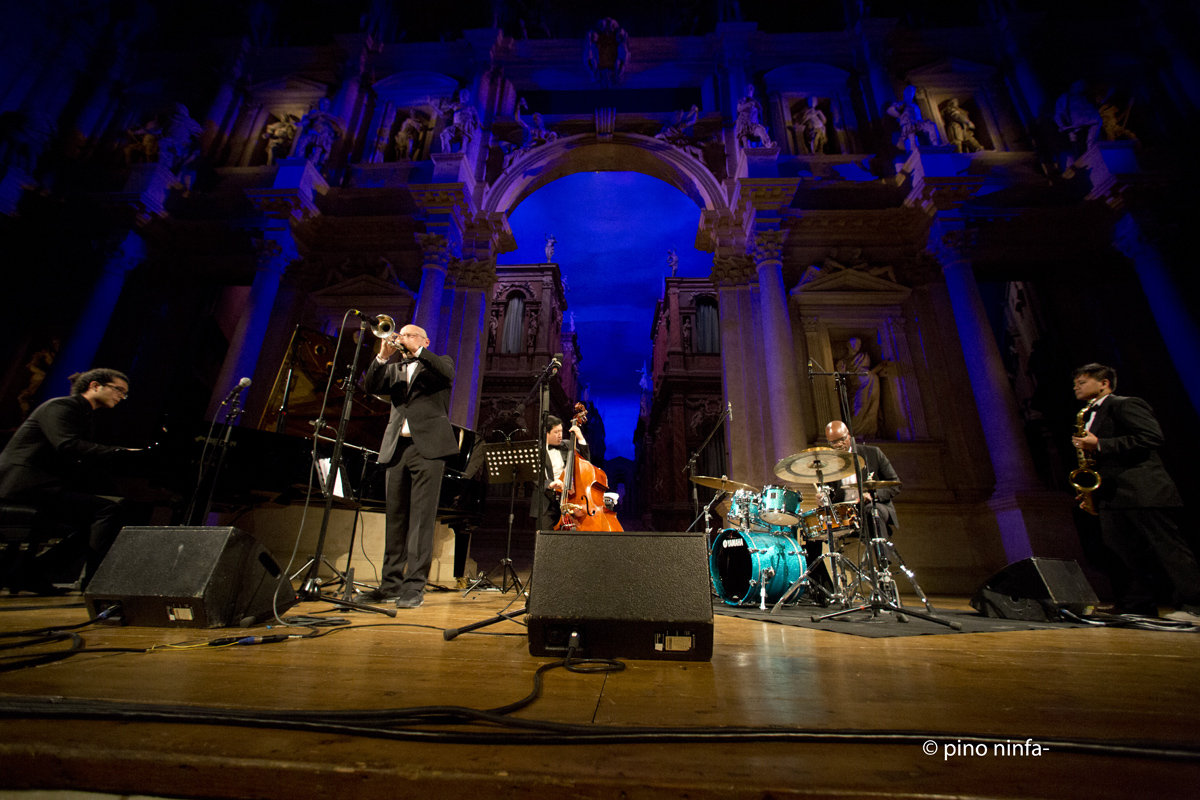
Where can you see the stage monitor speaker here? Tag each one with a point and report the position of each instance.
(627, 594)
(189, 577)
(1036, 590)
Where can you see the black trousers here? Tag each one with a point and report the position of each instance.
(412, 486)
(1161, 564)
(94, 520)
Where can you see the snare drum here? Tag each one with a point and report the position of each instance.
(780, 506)
(745, 510)
(841, 519)
(742, 560)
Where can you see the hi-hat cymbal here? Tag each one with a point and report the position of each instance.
(721, 484)
(869, 485)
(817, 464)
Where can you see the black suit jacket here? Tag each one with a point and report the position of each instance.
(543, 497)
(52, 447)
(425, 404)
(878, 469)
(1131, 472)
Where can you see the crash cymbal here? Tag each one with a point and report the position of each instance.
(721, 484)
(869, 485)
(817, 463)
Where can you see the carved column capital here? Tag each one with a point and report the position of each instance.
(436, 250)
(768, 246)
(952, 245)
(733, 271)
(473, 273)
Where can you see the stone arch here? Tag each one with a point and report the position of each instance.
(625, 152)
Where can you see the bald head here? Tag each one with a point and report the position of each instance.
(838, 435)
(414, 338)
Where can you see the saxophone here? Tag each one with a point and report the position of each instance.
(1084, 478)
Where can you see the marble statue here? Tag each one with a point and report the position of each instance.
(464, 122)
(408, 139)
(180, 141)
(811, 128)
(535, 134)
(673, 261)
(531, 332)
(1076, 115)
(749, 122)
(687, 334)
(550, 242)
(143, 144)
(864, 383)
(318, 130)
(960, 131)
(1113, 118)
(279, 136)
(912, 121)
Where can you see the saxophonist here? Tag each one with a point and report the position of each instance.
(1136, 500)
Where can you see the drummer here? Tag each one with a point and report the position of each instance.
(878, 468)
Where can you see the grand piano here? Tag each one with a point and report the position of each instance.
(271, 463)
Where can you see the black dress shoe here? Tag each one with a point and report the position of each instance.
(372, 596)
(410, 602)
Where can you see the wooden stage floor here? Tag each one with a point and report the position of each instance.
(1107, 686)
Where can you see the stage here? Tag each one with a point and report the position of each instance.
(1026, 713)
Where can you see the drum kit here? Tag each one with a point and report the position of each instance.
(759, 557)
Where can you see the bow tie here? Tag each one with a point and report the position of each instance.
(404, 362)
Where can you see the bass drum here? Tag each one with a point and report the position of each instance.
(741, 559)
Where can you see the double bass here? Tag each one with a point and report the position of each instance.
(584, 484)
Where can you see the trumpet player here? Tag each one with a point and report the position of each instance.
(416, 444)
(1136, 499)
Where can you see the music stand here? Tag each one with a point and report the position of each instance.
(509, 461)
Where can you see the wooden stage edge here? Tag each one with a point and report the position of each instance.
(1023, 690)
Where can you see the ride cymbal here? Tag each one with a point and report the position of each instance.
(816, 465)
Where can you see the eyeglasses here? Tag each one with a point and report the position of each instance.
(124, 393)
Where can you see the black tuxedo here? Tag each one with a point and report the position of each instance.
(46, 464)
(1134, 503)
(878, 468)
(415, 464)
(544, 505)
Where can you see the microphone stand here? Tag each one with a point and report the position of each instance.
(212, 462)
(542, 386)
(885, 596)
(690, 466)
(310, 589)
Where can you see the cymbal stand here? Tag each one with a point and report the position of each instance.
(884, 595)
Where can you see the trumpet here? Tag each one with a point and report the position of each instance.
(1084, 478)
(384, 328)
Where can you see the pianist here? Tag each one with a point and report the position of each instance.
(416, 444)
(46, 465)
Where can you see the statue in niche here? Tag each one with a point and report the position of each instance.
(536, 134)
(912, 121)
(672, 261)
(550, 242)
(571, 322)
(319, 129)
(960, 131)
(180, 141)
(493, 327)
(644, 381)
(864, 383)
(408, 139)
(1076, 115)
(464, 122)
(811, 128)
(143, 144)
(606, 51)
(279, 136)
(24, 136)
(687, 334)
(531, 332)
(749, 122)
(1113, 116)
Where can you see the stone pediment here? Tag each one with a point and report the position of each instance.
(361, 291)
(951, 73)
(848, 286)
(410, 89)
(290, 95)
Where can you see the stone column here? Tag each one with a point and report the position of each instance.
(276, 249)
(90, 324)
(1167, 300)
(779, 352)
(1003, 429)
(436, 255)
(471, 284)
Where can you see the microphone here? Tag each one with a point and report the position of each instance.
(556, 363)
(729, 410)
(370, 319)
(242, 384)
